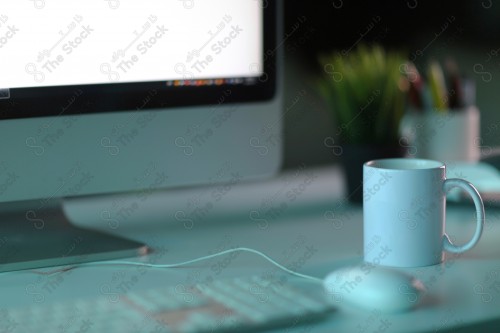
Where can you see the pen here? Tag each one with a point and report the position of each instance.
(455, 94)
(416, 86)
(469, 92)
(437, 86)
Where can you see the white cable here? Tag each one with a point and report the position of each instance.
(184, 263)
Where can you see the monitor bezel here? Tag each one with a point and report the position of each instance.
(114, 97)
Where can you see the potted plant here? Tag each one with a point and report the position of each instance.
(365, 90)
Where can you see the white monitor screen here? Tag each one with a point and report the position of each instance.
(76, 42)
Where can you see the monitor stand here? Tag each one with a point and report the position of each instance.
(36, 234)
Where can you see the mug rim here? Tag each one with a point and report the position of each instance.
(405, 164)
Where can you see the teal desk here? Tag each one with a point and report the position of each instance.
(306, 226)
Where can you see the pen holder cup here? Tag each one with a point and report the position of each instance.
(448, 135)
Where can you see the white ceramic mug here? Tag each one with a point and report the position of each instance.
(404, 202)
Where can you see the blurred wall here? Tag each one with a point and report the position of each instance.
(472, 39)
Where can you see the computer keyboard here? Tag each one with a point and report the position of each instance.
(238, 304)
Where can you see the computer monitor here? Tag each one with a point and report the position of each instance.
(128, 96)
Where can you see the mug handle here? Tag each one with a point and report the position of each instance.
(478, 202)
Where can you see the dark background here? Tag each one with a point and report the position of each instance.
(315, 27)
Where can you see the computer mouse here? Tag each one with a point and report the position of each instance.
(368, 287)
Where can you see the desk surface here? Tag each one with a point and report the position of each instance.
(298, 219)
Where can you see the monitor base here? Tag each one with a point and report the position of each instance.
(35, 234)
